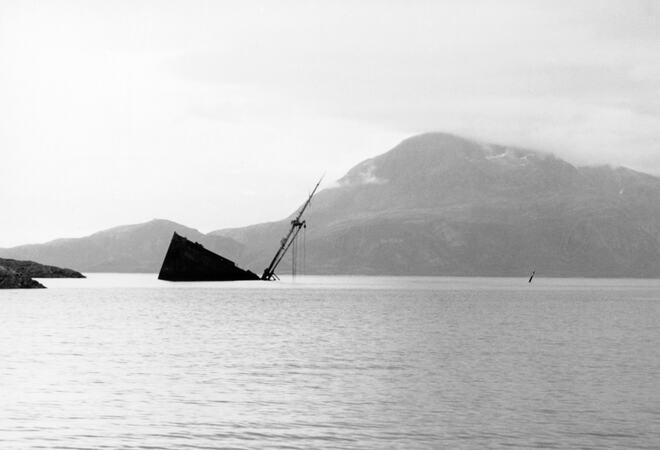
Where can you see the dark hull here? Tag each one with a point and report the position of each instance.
(190, 261)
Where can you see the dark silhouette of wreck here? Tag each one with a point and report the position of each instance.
(190, 261)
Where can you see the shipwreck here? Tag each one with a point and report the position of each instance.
(190, 261)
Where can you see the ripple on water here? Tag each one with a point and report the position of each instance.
(471, 364)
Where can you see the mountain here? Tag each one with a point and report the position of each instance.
(438, 204)
(128, 248)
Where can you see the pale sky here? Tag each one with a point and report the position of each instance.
(218, 114)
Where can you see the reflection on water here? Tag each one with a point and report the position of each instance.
(127, 361)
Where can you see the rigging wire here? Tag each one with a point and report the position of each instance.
(305, 242)
(293, 259)
(304, 262)
(289, 239)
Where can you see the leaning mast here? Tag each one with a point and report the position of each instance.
(287, 241)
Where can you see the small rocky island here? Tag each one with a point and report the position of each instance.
(16, 274)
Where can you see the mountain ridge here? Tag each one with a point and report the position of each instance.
(435, 204)
(124, 248)
(470, 195)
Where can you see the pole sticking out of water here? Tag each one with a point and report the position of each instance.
(288, 240)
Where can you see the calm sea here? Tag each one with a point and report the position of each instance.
(126, 361)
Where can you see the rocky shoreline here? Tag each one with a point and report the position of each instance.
(15, 274)
(10, 279)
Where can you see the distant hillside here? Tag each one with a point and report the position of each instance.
(438, 204)
(128, 248)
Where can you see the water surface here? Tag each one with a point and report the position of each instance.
(127, 361)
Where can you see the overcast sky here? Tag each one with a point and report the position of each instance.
(221, 114)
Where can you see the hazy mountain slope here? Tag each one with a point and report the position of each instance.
(129, 248)
(437, 204)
